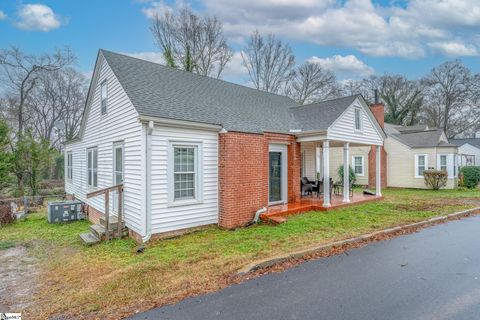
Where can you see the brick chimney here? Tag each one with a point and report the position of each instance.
(378, 110)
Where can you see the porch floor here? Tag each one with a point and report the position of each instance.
(277, 213)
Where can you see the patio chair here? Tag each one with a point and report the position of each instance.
(320, 187)
(306, 185)
(339, 188)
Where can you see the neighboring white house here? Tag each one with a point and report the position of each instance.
(468, 151)
(412, 150)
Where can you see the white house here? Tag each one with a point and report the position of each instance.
(468, 151)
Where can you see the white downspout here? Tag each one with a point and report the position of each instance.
(148, 184)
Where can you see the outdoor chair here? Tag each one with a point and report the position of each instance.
(307, 186)
(339, 188)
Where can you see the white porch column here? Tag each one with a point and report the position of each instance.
(346, 173)
(378, 172)
(326, 174)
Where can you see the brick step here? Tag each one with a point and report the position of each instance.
(89, 238)
(112, 221)
(99, 231)
(273, 219)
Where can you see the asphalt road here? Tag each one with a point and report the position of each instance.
(433, 274)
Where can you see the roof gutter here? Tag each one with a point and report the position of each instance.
(180, 123)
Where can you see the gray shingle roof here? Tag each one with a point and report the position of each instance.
(321, 115)
(423, 139)
(471, 141)
(165, 92)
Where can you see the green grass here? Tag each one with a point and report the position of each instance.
(111, 279)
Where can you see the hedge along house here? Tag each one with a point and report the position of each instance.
(192, 150)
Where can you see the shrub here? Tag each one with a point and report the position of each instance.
(470, 176)
(435, 179)
(352, 176)
(6, 214)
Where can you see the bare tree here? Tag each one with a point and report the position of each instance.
(193, 42)
(403, 99)
(311, 83)
(20, 72)
(366, 87)
(269, 62)
(59, 97)
(452, 99)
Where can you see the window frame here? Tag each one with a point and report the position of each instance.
(440, 162)
(417, 157)
(104, 110)
(198, 173)
(69, 166)
(91, 172)
(363, 166)
(360, 124)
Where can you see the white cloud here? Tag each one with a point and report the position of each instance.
(37, 17)
(151, 56)
(454, 48)
(2, 15)
(235, 68)
(376, 30)
(345, 66)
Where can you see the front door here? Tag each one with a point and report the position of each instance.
(277, 174)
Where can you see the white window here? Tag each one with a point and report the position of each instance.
(92, 167)
(358, 165)
(185, 173)
(443, 163)
(358, 119)
(69, 165)
(103, 97)
(421, 162)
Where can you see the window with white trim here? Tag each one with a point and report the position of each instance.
(443, 163)
(103, 97)
(358, 165)
(358, 119)
(421, 161)
(185, 173)
(69, 165)
(92, 167)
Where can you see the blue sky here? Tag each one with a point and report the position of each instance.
(354, 38)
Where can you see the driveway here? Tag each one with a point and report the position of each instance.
(433, 274)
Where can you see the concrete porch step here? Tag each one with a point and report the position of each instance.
(89, 238)
(99, 231)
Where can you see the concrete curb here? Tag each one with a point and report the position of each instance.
(269, 262)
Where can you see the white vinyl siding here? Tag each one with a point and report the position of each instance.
(358, 164)
(119, 124)
(421, 164)
(343, 129)
(168, 214)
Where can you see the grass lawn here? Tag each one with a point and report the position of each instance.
(110, 280)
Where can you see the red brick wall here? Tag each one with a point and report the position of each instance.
(243, 174)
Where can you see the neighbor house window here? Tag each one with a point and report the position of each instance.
(358, 165)
(420, 165)
(104, 96)
(443, 162)
(69, 165)
(92, 167)
(358, 119)
(185, 172)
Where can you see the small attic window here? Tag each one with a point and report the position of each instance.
(103, 97)
(358, 119)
